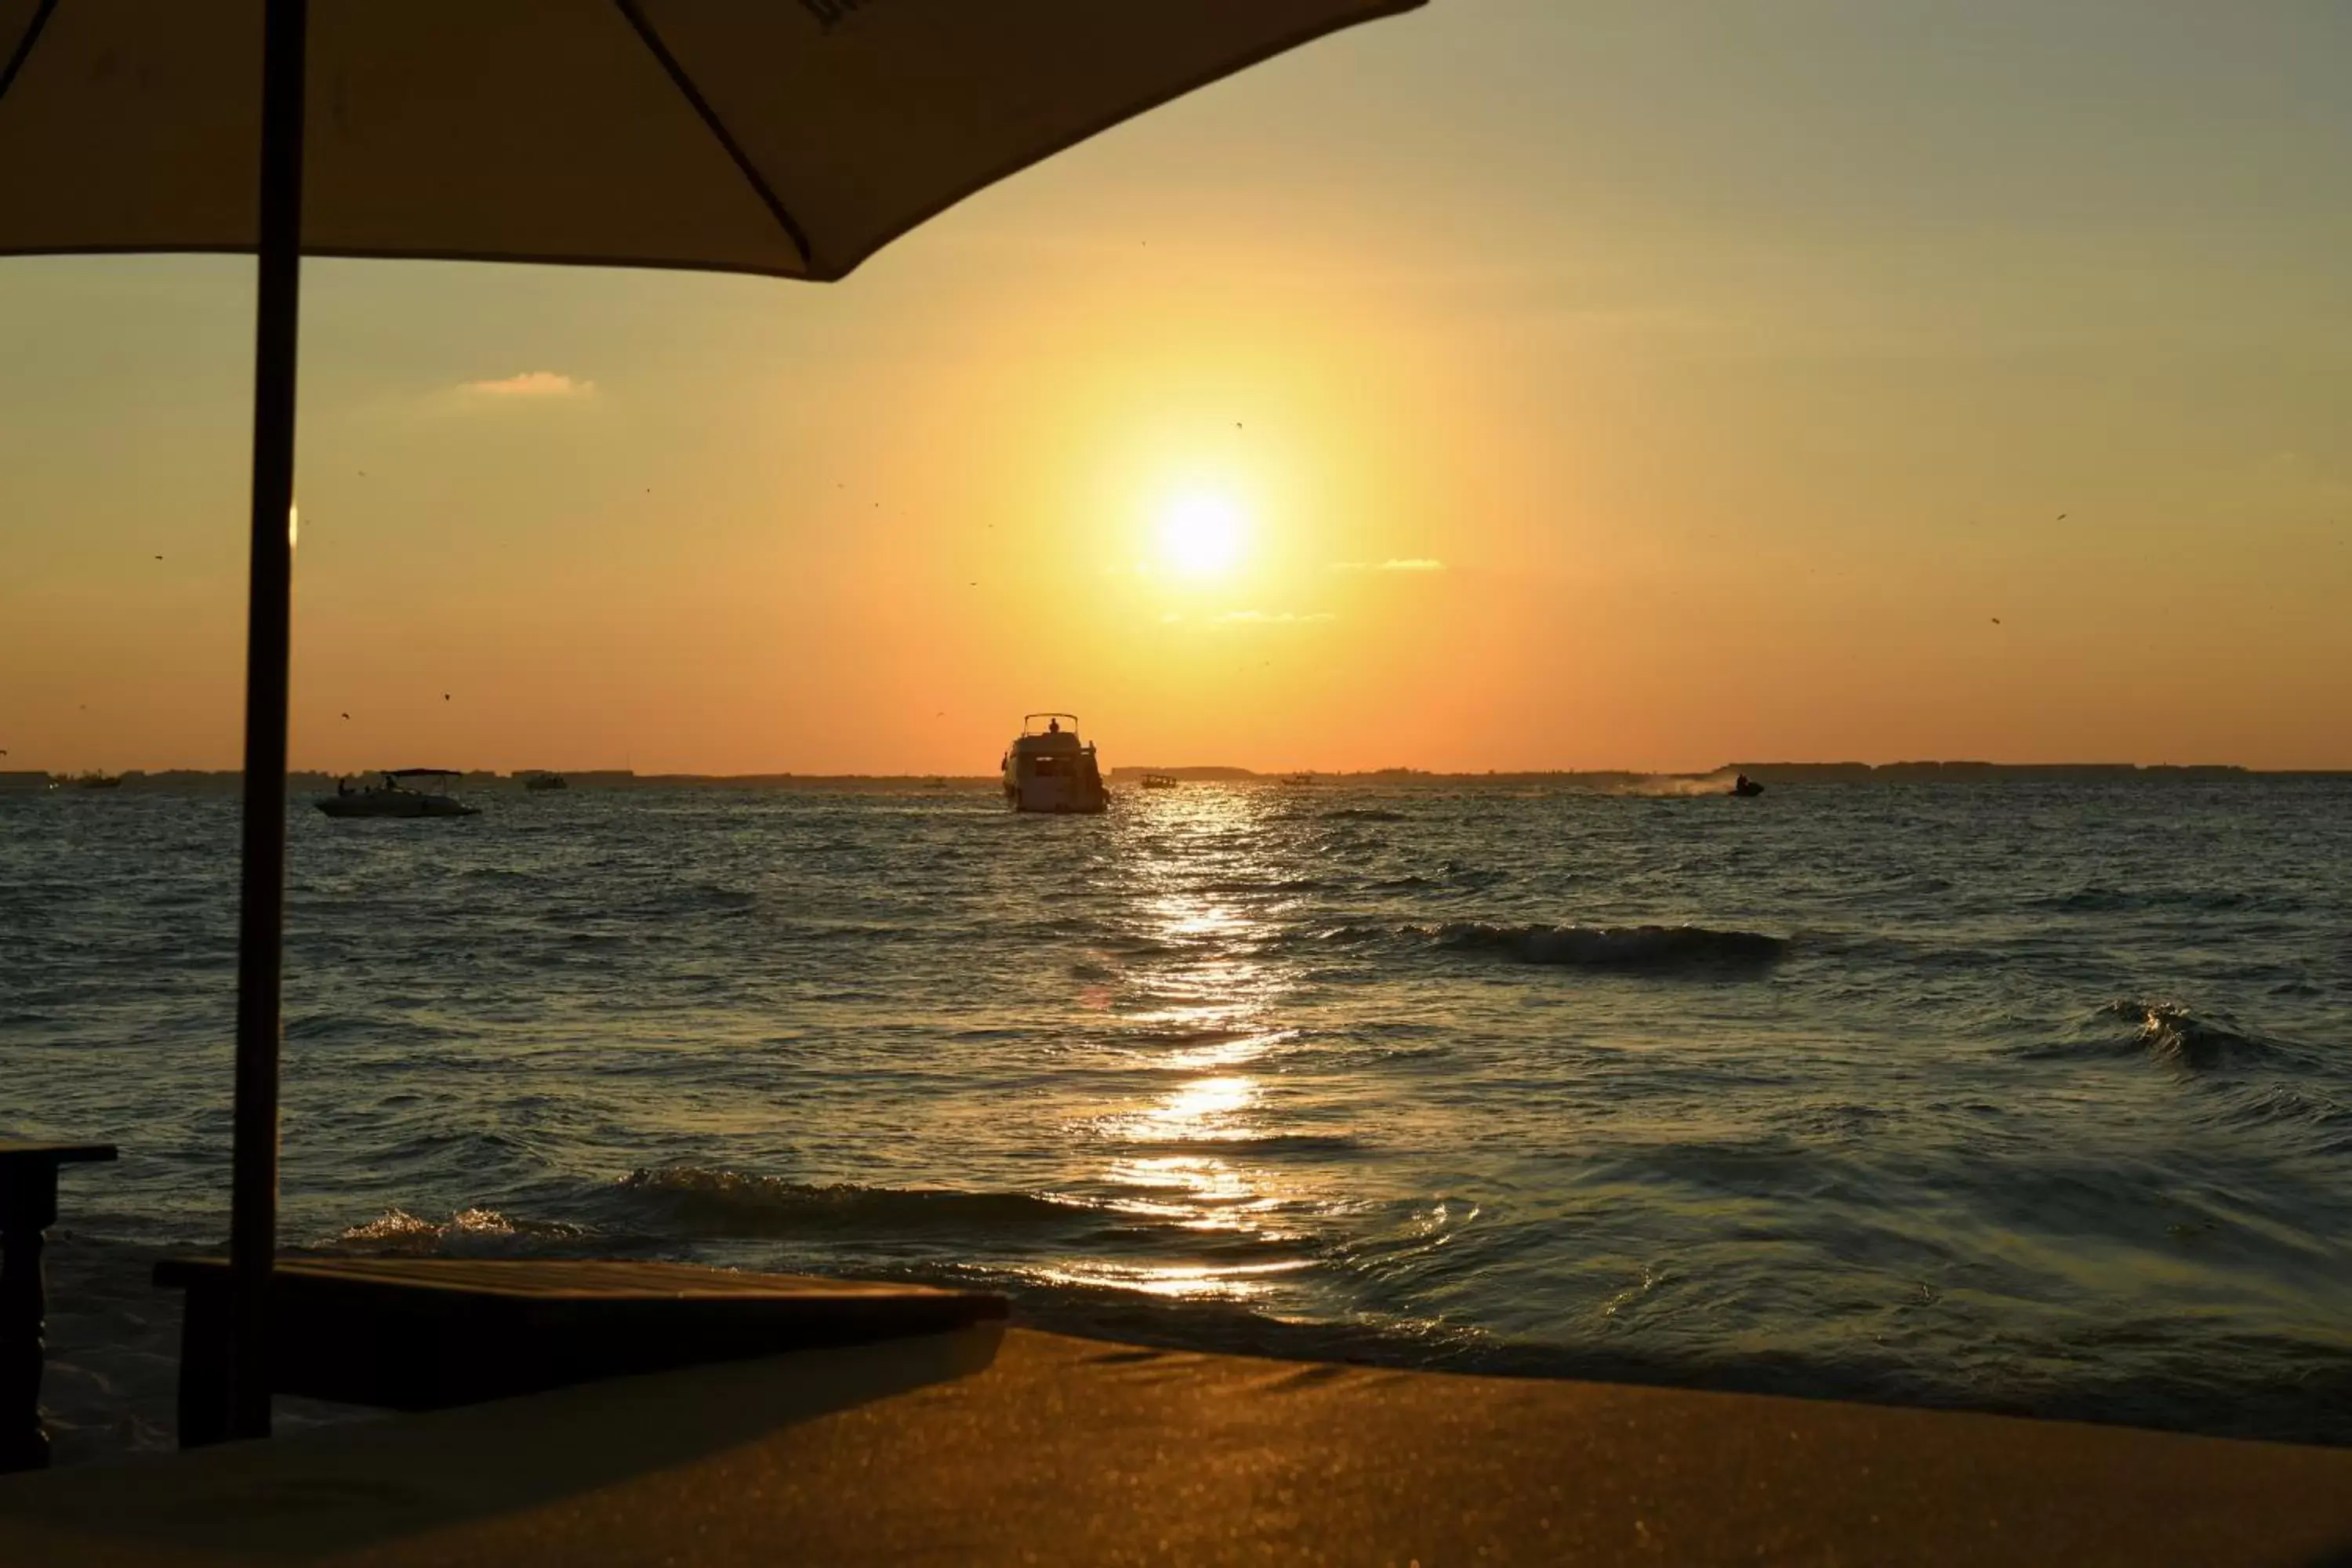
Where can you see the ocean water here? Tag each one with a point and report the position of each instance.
(2017, 1096)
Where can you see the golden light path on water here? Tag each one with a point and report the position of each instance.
(1211, 1014)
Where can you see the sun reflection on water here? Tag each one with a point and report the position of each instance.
(1204, 1012)
(1193, 1192)
(1199, 1282)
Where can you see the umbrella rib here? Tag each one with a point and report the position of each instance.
(25, 45)
(718, 129)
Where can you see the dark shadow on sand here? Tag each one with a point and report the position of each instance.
(340, 1489)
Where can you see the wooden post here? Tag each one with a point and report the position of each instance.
(205, 1354)
(29, 1206)
(269, 612)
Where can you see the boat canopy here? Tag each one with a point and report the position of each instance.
(1029, 722)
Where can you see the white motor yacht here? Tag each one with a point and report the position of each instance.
(1048, 770)
(403, 792)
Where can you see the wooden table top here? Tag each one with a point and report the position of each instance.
(18, 1152)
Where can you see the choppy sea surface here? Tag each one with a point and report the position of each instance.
(2019, 1096)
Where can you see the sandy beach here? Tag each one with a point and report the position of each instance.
(1020, 1448)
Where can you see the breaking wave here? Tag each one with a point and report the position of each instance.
(1650, 949)
(687, 1200)
(2168, 1032)
(467, 1230)
(2101, 899)
(1617, 947)
(1256, 1144)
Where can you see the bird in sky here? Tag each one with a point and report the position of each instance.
(1996, 620)
(346, 715)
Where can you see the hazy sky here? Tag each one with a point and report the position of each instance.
(1641, 384)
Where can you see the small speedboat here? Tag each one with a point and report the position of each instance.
(403, 792)
(1158, 781)
(1049, 771)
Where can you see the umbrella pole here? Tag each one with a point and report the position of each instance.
(261, 937)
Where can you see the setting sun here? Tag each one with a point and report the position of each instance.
(1201, 534)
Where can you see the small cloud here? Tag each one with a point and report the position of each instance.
(1260, 618)
(530, 384)
(1411, 564)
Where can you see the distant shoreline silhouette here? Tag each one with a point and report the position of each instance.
(1613, 779)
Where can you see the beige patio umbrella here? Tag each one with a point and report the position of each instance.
(788, 137)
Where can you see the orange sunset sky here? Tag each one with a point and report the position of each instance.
(1523, 383)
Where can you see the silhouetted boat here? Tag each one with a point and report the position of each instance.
(1744, 786)
(1048, 771)
(1158, 781)
(1297, 781)
(540, 783)
(96, 780)
(397, 796)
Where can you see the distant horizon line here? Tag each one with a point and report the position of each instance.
(1765, 772)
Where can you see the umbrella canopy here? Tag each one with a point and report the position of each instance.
(787, 137)
(790, 137)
